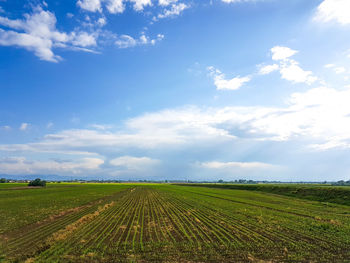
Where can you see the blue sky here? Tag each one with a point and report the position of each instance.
(175, 89)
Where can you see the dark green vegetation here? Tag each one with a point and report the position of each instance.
(322, 193)
(150, 222)
(37, 182)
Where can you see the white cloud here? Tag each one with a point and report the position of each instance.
(282, 53)
(126, 41)
(115, 6)
(21, 165)
(168, 128)
(134, 163)
(226, 84)
(100, 126)
(49, 125)
(83, 39)
(90, 5)
(166, 2)
(319, 116)
(291, 71)
(233, 165)
(289, 68)
(140, 4)
(38, 33)
(41, 47)
(335, 68)
(101, 21)
(24, 126)
(333, 10)
(175, 10)
(268, 69)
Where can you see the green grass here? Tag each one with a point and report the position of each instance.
(322, 193)
(150, 222)
(22, 207)
(11, 185)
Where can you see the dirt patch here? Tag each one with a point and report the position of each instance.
(64, 233)
(27, 229)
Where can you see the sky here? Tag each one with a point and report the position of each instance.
(175, 89)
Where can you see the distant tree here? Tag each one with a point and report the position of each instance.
(37, 182)
(3, 180)
(220, 181)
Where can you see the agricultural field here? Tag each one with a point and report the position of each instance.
(314, 192)
(168, 223)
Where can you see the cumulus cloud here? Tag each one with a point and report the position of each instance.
(126, 41)
(222, 83)
(168, 128)
(101, 21)
(115, 6)
(166, 2)
(264, 70)
(90, 5)
(291, 71)
(139, 5)
(112, 6)
(172, 7)
(83, 39)
(319, 114)
(289, 68)
(333, 10)
(282, 53)
(174, 10)
(37, 32)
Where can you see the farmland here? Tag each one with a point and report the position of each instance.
(161, 222)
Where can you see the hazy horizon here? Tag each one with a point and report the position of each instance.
(175, 89)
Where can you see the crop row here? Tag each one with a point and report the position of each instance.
(176, 223)
(33, 238)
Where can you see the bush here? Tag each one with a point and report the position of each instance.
(37, 182)
(3, 180)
